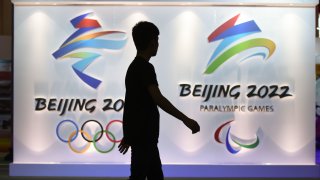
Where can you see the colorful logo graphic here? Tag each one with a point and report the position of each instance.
(76, 46)
(87, 135)
(230, 33)
(233, 143)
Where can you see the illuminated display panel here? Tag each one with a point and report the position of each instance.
(245, 74)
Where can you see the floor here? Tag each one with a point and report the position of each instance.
(4, 170)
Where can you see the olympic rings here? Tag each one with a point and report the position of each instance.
(74, 134)
(82, 128)
(87, 137)
(94, 141)
(64, 121)
(108, 126)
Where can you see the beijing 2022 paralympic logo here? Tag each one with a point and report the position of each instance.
(83, 39)
(233, 143)
(230, 33)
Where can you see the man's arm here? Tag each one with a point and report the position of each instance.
(125, 142)
(167, 106)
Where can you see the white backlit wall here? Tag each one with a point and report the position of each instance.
(275, 126)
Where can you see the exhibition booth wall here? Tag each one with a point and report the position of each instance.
(244, 70)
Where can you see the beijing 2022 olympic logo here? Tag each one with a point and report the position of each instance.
(229, 33)
(85, 38)
(91, 132)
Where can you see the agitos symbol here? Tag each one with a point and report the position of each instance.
(83, 39)
(230, 33)
(231, 139)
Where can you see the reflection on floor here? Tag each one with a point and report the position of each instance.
(4, 174)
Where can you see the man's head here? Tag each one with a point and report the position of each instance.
(145, 36)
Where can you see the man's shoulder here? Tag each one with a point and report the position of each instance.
(140, 64)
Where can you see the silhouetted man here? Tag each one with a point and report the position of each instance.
(141, 115)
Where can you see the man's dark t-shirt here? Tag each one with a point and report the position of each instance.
(141, 115)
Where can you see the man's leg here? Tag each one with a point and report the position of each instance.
(145, 162)
(155, 166)
(139, 163)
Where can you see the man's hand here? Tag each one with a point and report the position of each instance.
(123, 147)
(192, 124)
